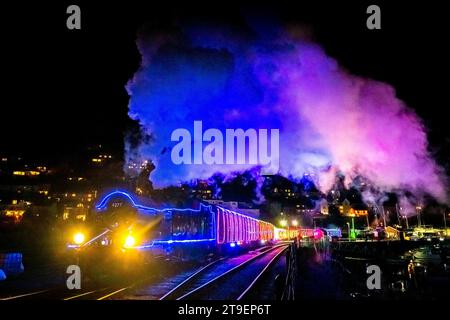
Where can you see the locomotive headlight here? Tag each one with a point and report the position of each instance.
(78, 238)
(129, 241)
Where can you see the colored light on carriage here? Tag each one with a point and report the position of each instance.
(78, 238)
(232, 244)
(318, 234)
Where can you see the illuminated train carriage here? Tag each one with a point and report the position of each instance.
(233, 227)
(122, 223)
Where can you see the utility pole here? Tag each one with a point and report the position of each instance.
(419, 218)
(445, 221)
(367, 220)
(398, 214)
(384, 216)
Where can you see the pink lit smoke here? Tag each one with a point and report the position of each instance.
(330, 121)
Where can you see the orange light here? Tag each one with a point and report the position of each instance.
(129, 241)
(78, 238)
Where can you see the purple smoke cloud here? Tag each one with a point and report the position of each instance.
(329, 120)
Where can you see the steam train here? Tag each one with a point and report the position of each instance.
(121, 223)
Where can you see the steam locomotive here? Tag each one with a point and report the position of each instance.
(123, 224)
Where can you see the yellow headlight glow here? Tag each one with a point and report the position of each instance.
(129, 241)
(78, 238)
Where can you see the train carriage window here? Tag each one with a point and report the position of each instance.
(249, 230)
(264, 230)
(232, 237)
(260, 230)
(266, 235)
(245, 229)
(230, 226)
(226, 226)
(233, 227)
(253, 230)
(220, 226)
(238, 230)
(239, 227)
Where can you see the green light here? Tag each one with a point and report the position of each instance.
(352, 232)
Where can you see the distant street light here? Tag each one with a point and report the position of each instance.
(294, 223)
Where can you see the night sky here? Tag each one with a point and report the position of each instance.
(63, 90)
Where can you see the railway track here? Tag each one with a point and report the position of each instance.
(231, 284)
(189, 286)
(100, 294)
(63, 294)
